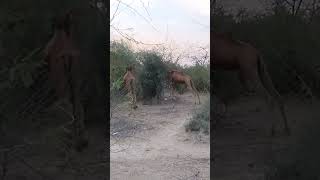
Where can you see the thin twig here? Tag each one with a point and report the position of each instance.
(129, 38)
(113, 16)
(135, 11)
(146, 9)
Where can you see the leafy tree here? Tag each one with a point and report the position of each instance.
(153, 74)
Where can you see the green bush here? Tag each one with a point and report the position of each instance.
(200, 120)
(121, 56)
(152, 75)
(200, 75)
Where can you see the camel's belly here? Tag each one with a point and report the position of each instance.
(179, 82)
(226, 64)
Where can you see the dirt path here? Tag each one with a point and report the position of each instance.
(243, 148)
(241, 144)
(154, 144)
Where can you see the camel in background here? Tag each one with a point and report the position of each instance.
(129, 82)
(178, 77)
(63, 61)
(233, 55)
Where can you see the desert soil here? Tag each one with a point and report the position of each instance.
(151, 143)
(243, 148)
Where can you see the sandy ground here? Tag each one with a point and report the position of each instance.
(152, 143)
(243, 147)
(42, 158)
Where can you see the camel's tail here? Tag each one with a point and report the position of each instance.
(268, 85)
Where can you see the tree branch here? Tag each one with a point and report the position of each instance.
(135, 11)
(114, 14)
(298, 8)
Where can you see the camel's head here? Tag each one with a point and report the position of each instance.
(63, 22)
(130, 68)
(169, 74)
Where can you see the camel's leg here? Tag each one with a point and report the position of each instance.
(133, 94)
(253, 84)
(74, 83)
(131, 102)
(189, 86)
(134, 99)
(247, 82)
(82, 129)
(193, 93)
(172, 90)
(195, 90)
(131, 99)
(197, 95)
(274, 101)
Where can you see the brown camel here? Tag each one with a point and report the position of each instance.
(178, 77)
(63, 61)
(234, 55)
(129, 82)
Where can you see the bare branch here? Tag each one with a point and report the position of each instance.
(129, 38)
(289, 3)
(114, 14)
(177, 59)
(298, 8)
(145, 9)
(135, 11)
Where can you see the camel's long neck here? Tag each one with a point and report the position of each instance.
(130, 74)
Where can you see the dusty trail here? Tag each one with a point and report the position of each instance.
(243, 148)
(154, 144)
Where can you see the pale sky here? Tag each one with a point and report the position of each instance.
(180, 23)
